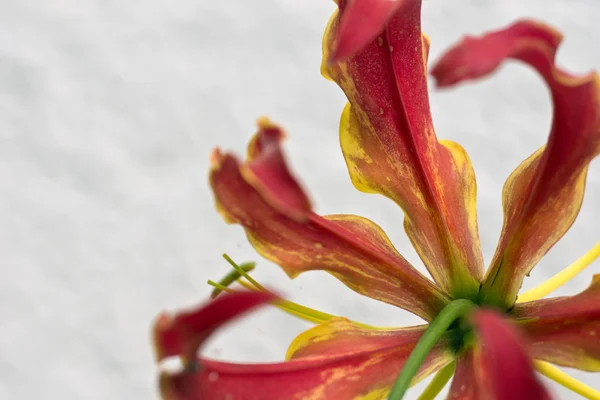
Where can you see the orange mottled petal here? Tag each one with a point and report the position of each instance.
(336, 360)
(565, 330)
(341, 336)
(352, 248)
(464, 383)
(542, 197)
(502, 365)
(344, 376)
(390, 146)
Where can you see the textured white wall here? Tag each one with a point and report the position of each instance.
(108, 112)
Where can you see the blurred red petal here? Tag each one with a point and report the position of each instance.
(361, 22)
(502, 364)
(335, 360)
(183, 334)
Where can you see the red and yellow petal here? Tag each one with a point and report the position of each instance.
(565, 330)
(336, 360)
(499, 367)
(464, 384)
(183, 334)
(542, 197)
(340, 336)
(361, 22)
(390, 146)
(360, 375)
(267, 172)
(272, 209)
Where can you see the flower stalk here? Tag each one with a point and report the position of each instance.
(453, 311)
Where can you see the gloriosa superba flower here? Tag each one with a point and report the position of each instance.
(376, 52)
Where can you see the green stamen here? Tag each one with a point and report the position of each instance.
(562, 277)
(562, 378)
(295, 309)
(438, 382)
(307, 313)
(218, 287)
(243, 273)
(231, 277)
(432, 335)
(291, 308)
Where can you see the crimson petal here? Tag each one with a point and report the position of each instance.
(542, 197)
(565, 330)
(502, 364)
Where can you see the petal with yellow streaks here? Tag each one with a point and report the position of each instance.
(542, 197)
(464, 383)
(339, 361)
(283, 230)
(390, 146)
(565, 330)
(341, 336)
(183, 334)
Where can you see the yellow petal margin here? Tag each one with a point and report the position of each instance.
(390, 147)
(565, 330)
(263, 197)
(388, 349)
(542, 197)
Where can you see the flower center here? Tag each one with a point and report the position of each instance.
(454, 313)
(460, 334)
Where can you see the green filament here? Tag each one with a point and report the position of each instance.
(232, 277)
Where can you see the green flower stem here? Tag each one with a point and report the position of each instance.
(432, 335)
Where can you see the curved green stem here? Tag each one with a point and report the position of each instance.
(432, 335)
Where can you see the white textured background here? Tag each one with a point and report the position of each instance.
(108, 112)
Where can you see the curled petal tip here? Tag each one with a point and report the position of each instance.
(269, 132)
(264, 121)
(216, 159)
(164, 338)
(470, 59)
(183, 333)
(475, 57)
(361, 22)
(267, 127)
(551, 179)
(267, 172)
(167, 389)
